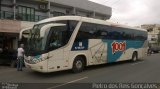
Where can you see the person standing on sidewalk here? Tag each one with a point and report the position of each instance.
(20, 57)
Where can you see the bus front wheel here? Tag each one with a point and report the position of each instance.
(78, 64)
(134, 57)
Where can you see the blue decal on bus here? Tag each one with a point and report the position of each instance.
(80, 45)
(114, 54)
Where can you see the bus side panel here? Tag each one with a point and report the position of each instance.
(93, 49)
(101, 51)
(142, 52)
(58, 60)
(119, 50)
(79, 48)
(97, 52)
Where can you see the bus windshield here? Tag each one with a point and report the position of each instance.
(55, 37)
(35, 42)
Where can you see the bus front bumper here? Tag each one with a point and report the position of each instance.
(39, 67)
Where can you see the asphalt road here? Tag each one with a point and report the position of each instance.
(143, 71)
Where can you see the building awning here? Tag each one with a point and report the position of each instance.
(10, 26)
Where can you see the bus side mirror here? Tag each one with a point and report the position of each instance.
(47, 27)
(21, 32)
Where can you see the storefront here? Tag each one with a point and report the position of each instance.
(8, 41)
(9, 32)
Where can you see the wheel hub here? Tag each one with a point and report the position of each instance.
(79, 64)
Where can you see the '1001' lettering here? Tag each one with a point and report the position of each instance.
(118, 46)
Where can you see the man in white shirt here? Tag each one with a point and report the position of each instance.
(20, 58)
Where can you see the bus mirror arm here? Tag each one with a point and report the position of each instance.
(47, 27)
(23, 30)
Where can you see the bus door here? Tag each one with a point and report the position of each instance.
(55, 43)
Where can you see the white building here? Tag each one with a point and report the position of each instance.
(153, 32)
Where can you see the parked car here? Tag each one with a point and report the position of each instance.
(155, 48)
(9, 57)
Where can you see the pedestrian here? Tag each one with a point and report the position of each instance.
(149, 51)
(20, 57)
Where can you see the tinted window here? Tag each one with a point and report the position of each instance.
(59, 36)
(119, 33)
(96, 31)
(86, 31)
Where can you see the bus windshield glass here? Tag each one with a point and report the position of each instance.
(56, 37)
(35, 41)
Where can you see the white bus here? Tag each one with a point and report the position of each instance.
(73, 42)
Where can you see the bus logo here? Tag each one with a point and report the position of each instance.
(80, 44)
(118, 46)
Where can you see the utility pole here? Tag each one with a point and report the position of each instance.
(158, 36)
(0, 8)
(14, 9)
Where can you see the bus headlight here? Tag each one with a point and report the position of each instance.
(40, 59)
(36, 59)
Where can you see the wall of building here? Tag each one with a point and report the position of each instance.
(26, 24)
(153, 32)
(86, 5)
(57, 9)
(11, 26)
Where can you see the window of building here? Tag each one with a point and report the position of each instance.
(153, 39)
(26, 13)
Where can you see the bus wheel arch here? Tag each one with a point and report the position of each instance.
(79, 63)
(134, 56)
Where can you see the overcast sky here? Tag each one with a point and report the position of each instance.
(134, 12)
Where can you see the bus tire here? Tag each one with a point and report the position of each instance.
(134, 57)
(78, 64)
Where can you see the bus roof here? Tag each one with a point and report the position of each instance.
(86, 19)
